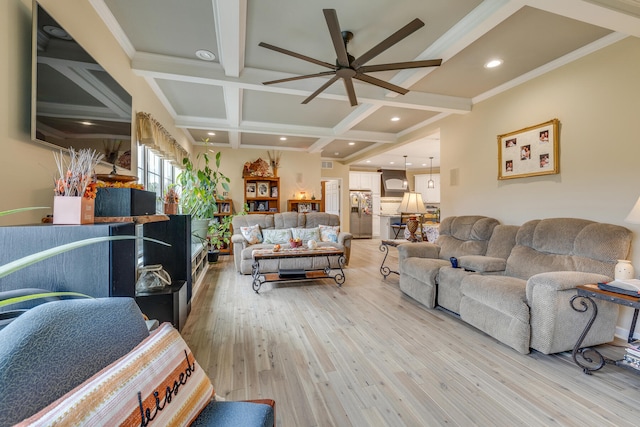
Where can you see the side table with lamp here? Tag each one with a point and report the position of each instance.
(413, 207)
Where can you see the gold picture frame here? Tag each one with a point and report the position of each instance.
(531, 151)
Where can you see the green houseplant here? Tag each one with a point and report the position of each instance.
(199, 186)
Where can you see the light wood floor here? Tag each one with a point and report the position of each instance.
(366, 355)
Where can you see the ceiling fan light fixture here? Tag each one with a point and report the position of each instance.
(205, 55)
(493, 63)
(395, 119)
(347, 67)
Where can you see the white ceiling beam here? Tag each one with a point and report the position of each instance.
(195, 71)
(592, 13)
(231, 26)
(279, 129)
(477, 23)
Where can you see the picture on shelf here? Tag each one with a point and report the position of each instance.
(226, 208)
(251, 189)
(262, 206)
(263, 189)
(274, 191)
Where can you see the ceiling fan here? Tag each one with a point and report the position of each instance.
(347, 67)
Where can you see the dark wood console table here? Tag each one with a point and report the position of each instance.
(586, 296)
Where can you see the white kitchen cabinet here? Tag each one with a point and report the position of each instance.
(365, 181)
(429, 195)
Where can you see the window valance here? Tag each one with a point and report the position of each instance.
(155, 137)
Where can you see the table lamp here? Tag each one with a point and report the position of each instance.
(412, 204)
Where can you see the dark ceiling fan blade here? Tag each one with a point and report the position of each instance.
(400, 65)
(331, 17)
(381, 83)
(387, 43)
(297, 55)
(320, 89)
(351, 92)
(306, 76)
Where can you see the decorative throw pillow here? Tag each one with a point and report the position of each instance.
(274, 236)
(158, 380)
(252, 234)
(329, 233)
(306, 234)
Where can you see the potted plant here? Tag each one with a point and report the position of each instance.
(198, 192)
(219, 234)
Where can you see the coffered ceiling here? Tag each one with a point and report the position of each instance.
(226, 96)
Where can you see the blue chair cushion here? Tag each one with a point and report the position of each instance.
(233, 414)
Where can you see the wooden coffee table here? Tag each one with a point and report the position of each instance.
(287, 276)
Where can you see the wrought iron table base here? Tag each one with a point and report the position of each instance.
(384, 270)
(594, 359)
(339, 278)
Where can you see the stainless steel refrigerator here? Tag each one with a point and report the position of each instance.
(361, 214)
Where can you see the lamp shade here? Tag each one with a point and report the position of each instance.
(412, 203)
(634, 215)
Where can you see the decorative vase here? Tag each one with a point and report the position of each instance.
(171, 208)
(624, 270)
(73, 210)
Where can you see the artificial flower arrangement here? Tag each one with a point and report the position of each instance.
(77, 176)
(76, 189)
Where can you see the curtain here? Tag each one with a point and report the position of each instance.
(154, 136)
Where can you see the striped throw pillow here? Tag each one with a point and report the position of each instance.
(158, 383)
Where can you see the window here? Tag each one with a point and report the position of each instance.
(156, 173)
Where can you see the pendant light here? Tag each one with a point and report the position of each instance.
(405, 183)
(430, 183)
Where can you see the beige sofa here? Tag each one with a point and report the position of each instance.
(518, 291)
(242, 249)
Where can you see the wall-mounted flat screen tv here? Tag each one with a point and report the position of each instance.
(75, 102)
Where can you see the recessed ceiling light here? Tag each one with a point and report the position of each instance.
(205, 55)
(493, 63)
(391, 163)
(211, 133)
(409, 164)
(87, 123)
(395, 119)
(336, 153)
(424, 164)
(368, 161)
(283, 138)
(352, 143)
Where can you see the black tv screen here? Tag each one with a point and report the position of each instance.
(75, 102)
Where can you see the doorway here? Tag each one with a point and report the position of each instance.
(331, 196)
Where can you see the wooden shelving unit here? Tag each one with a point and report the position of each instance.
(304, 205)
(225, 209)
(262, 194)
